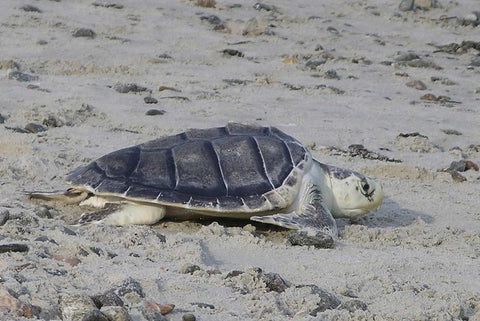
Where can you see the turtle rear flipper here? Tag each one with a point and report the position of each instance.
(311, 214)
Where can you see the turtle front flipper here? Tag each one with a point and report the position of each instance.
(70, 196)
(311, 214)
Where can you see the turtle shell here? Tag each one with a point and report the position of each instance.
(236, 167)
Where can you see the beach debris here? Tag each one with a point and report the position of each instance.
(150, 100)
(53, 121)
(203, 305)
(163, 88)
(353, 305)
(188, 268)
(13, 247)
(158, 307)
(84, 33)
(30, 8)
(358, 150)
(217, 23)
(303, 238)
(4, 217)
(188, 317)
(417, 84)
(232, 52)
(155, 112)
(21, 76)
(107, 5)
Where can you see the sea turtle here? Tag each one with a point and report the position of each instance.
(237, 171)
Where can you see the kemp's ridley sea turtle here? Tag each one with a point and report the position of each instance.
(236, 171)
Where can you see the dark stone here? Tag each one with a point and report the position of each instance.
(233, 273)
(13, 247)
(55, 272)
(319, 240)
(21, 76)
(406, 5)
(155, 112)
(458, 166)
(315, 63)
(4, 216)
(150, 100)
(232, 52)
(2, 119)
(188, 317)
(189, 268)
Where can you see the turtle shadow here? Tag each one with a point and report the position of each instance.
(390, 214)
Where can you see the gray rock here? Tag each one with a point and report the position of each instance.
(21, 76)
(2, 119)
(315, 63)
(34, 128)
(353, 305)
(406, 5)
(43, 212)
(274, 282)
(457, 166)
(84, 32)
(318, 240)
(75, 307)
(326, 300)
(95, 315)
(130, 286)
(116, 313)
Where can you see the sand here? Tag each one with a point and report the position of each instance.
(330, 73)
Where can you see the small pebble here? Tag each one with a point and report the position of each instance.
(4, 216)
(451, 132)
(84, 32)
(188, 268)
(188, 317)
(417, 84)
(155, 112)
(72, 261)
(2, 119)
(206, 3)
(274, 282)
(52, 121)
(333, 30)
(43, 212)
(150, 100)
(326, 301)
(34, 128)
(470, 165)
(13, 247)
(457, 177)
(315, 63)
(302, 238)
(21, 76)
(262, 6)
(75, 306)
(162, 308)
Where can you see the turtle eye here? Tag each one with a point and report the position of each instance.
(366, 187)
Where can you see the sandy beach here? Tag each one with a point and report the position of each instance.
(83, 78)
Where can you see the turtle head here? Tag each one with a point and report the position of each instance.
(353, 193)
